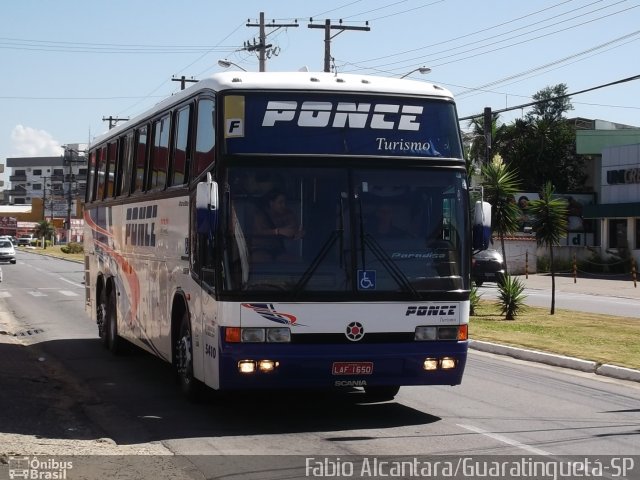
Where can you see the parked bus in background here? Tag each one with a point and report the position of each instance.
(286, 230)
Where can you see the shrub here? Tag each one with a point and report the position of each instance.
(72, 247)
(474, 300)
(511, 297)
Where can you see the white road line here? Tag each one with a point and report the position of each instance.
(5, 294)
(72, 283)
(36, 293)
(507, 440)
(67, 293)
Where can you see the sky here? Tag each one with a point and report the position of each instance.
(67, 64)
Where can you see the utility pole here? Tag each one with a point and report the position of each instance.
(262, 46)
(113, 120)
(327, 37)
(183, 80)
(487, 123)
(44, 196)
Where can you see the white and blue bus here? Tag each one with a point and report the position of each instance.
(286, 230)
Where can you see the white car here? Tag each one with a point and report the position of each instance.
(7, 252)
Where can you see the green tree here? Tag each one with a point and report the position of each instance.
(500, 186)
(549, 225)
(44, 230)
(553, 103)
(542, 145)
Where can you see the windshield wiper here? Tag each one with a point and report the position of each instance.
(383, 257)
(366, 240)
(324, 251)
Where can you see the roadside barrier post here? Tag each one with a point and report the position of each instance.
(633, 271)
(526, 264)
(575, 268)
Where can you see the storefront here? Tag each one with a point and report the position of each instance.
(619, 203)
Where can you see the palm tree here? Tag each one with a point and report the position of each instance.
(44, 230)
(549, 225)
(500, 186)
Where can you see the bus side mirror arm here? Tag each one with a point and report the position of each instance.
(207, 206)
(481, 225)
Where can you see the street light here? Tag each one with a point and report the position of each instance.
(227, 64)
(422, 70)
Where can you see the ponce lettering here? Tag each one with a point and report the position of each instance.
(382, 116)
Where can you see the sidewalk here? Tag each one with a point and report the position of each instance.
(617, 286)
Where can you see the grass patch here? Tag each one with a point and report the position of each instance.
(54, 251)
(590, 336)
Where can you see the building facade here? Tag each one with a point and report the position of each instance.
(617, 210)
(53, 187)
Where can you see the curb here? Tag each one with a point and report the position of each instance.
(587, 366)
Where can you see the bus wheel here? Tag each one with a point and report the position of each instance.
(184, 360)
(381, 393)
(111, 328)
(101, 317)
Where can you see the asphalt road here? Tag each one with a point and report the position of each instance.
(503, 406)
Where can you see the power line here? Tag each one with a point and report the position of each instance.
(538, 102)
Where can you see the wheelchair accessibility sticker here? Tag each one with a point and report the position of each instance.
(366, 279)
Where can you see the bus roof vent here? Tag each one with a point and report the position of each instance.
(314, 79)
(340, 80)
(364, 80)
(438, 87)
(236, 80)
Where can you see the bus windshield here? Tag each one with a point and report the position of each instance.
(357, 232)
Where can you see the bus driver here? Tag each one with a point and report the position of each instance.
(274, 223)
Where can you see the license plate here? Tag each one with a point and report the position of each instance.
(352, 368)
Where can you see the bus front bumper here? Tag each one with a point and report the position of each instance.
(251, 366)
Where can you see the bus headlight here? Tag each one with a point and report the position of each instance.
(246, 366)
(278, 335)
(447, 363)
(266, 366)
(253, 335)
(446, 332)
(426, 333)
(430, 364)
(257, 335)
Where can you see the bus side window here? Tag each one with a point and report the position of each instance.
(160, 153)
(126, 164)
(205, 137)
(140, 159)
(180, 169)
(102, 173)
(91, 177)
(111, 170)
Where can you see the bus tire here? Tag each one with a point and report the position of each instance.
(189, 386)
(101, 317)
(381, 393)
(113, 342)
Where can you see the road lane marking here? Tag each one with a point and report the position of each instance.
(507, 440)
(36, 293)
(67, 293)
(72, 283)
(5, 294)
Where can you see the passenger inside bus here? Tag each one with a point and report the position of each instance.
(274, 225)
(384, 226)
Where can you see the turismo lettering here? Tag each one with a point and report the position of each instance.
(140, 226)
(382, 116)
